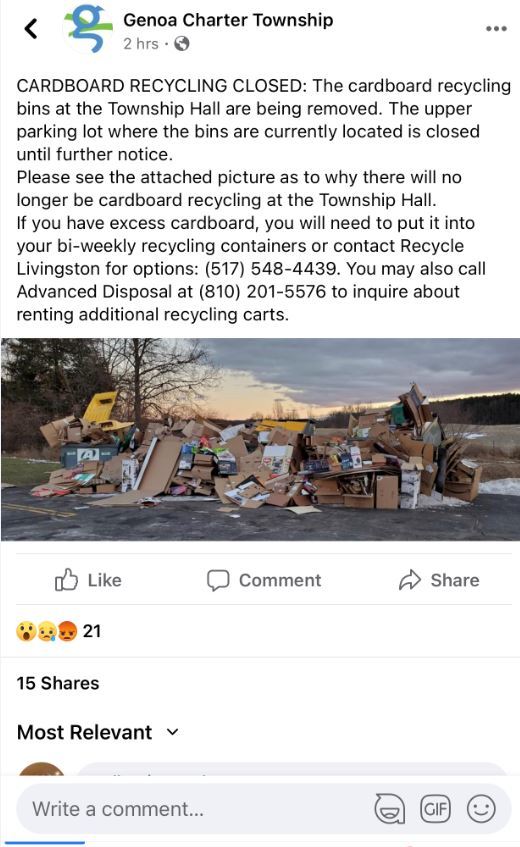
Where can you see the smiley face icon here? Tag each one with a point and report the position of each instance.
(481, 808)
(46, 631)
(67, 631)
(26, 631)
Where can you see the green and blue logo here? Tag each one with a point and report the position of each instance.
(86, 20)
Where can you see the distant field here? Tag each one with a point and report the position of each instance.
(496, 447)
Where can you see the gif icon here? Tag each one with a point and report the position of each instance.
(435, 808)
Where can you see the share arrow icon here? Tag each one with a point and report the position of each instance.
(410, 580)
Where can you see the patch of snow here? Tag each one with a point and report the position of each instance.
(509, 486)
(470, 436)
(35, 461)
(426, 502)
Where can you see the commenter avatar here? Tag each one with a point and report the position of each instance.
(41, 769)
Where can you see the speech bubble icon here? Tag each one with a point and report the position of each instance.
(218, 579)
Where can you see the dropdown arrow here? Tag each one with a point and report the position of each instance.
(172, 731)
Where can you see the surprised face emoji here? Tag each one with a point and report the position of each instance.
(67, 631)
(47, 631)
(26, 631)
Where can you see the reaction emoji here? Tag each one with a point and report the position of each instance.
(67, 631)
(482, 808)
(47, 631)
(26, 631)
(41, 769)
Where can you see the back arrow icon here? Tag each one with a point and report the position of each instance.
(28, 28)
(410, 579)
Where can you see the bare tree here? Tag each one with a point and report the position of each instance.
(278, 413)
(154, 375)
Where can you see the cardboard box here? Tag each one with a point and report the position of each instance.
(359, 501)
(112, 471)
(237, 447)
(193, 430)
(387, 492)
(250, 494)
(105, 488)
(464, 491)
(326, 499)
(428, 477)
(55, 431)
(74, 434)
(369, 420)
(377, 430)
(277, 458)
(278, 499)
(378, 459)
(326, 486)
(201, 472)
(203, 459)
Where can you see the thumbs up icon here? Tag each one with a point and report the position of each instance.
(67, 582)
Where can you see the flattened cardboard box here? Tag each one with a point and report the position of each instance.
(54, 432)
(161, 466)
(387, 492)
(248, 495)
(237, 447)
(428, 477)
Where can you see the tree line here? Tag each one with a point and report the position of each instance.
(488, 409)
(48, 378)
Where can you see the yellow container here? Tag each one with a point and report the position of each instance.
(293, 426)
(100, 407)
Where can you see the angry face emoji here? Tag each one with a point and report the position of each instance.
(26, 631)
(46, 631)
(67, 631)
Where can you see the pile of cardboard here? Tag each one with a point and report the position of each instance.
(382, 460)
(94, 427)
(83, 479)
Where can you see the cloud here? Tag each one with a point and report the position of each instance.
(331, 372)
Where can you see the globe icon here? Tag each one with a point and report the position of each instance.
(181, 42)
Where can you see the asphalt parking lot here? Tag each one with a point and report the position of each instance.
(74, 518)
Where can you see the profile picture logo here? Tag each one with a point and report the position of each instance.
(85, 28)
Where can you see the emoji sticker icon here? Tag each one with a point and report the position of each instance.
(46, 631)
(26, 631)
(67, 631)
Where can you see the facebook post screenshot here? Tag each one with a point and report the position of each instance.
(260, 424)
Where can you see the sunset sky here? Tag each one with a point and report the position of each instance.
(317, 375)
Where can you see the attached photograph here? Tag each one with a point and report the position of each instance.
(260, 439)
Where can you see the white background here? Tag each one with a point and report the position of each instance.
(366, 42)
(299, 709)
